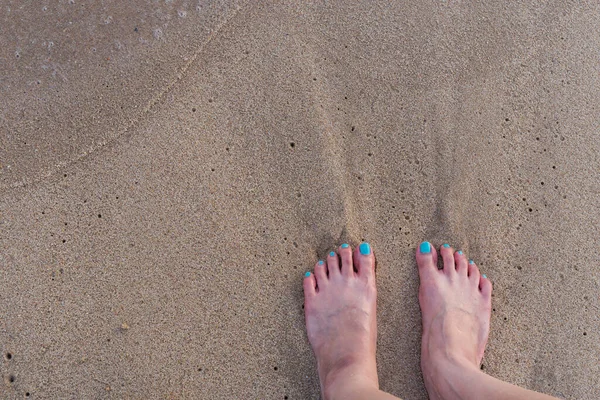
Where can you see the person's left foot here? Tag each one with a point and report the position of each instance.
(341, 319)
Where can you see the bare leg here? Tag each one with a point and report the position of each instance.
(456, 303)
(339, 308)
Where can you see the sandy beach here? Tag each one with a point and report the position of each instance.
(169, 170)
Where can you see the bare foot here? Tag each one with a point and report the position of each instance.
(455, 303)
(341, 322)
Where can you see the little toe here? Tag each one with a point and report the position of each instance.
(347, 268)
(460, 260)
(309, 286)
(447, 253)
(485, 286)
(427, 260)
(321, 274)
(364, 259)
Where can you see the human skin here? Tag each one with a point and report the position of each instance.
(340, 312)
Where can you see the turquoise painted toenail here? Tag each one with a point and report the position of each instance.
(460, 252)
(425, 248)
(471, 262)
(332, 254)
(484, 276)
(446, 245)
(321, 262)
(345, 246)
(364, 249)
(306, 275)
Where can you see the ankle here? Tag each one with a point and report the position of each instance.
(345, 381)
(457, 360)
(451, 374)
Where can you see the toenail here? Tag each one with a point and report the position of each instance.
(484, 276)
(365, 249)
(345, 246)
(460, 252)
(425, 248)
(321, 262)
(471, 262)
(332, 254)
(446, 245)
(307, 274)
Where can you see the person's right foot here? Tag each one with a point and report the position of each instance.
(456, 305)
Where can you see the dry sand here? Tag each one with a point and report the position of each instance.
(170, 169)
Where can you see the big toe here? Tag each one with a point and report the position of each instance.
(364, 260)
(426, 260)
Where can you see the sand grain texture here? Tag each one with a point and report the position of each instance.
(169, 171)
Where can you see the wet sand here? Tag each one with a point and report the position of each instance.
(169, 171)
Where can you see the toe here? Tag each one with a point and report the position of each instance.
(333, 263)
(321, 274)
(460, 260)
(309, 286)
(427, 260)
(486, 286)
(364, 259)
(473, 272)
(447, 254)
(346, 256)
